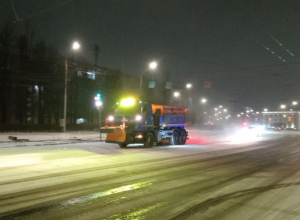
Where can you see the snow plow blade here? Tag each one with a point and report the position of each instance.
(114, 135)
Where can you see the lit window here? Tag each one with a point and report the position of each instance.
(91, 74)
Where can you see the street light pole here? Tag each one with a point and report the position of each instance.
(65, 95)
(141, 85)
(99, 104)
(152, 66)
(75, 46)
(100, 123)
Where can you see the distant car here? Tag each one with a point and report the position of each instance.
(277, 128)
(291, 129)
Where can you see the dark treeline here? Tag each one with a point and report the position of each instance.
(32, 75)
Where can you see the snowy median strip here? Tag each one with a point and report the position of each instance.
(22, 139)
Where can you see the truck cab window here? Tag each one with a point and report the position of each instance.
(145, 110)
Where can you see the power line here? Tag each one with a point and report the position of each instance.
(280, 44)
(45, 10)
(14, 10)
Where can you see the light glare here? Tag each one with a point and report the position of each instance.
(98, 103)
(153, 65)
(138, 117)
(76, 45)
(127, 102)
(188, 85)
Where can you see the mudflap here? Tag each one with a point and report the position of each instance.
(118, 136)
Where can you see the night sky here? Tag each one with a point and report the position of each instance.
(249, 49)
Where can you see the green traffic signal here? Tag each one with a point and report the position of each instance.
(98, 95)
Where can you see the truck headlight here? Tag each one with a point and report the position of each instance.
(139, 136)
(111, 118)
(138, 117)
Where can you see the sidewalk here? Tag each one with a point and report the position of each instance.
(22, 139)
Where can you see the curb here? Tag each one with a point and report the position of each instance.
(46, 143)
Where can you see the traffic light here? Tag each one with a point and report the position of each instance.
(97, 99)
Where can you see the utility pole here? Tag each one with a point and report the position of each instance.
(65, 95)
(100, 122)
(96, 50)
(75, 46)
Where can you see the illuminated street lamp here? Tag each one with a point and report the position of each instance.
(225, 110)
(153, 65)
(265, 110)
(188, 86)
(216, 109)
(176, 94)
(98, 103)
(75, 46)
(203, 100)
(283, 106)
(295, 103)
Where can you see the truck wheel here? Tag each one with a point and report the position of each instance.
(123, 145)
(175, 138)
(149, 140)
(182, 138)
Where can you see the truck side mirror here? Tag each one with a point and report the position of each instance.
(158, 112)
(157, 117)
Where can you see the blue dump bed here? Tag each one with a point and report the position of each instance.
(173, 120)
(170, 116)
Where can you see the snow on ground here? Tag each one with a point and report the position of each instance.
(25, 139)
(196, 136)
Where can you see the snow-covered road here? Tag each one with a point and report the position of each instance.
(219, 179)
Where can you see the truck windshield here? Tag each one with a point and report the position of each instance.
(129, 110)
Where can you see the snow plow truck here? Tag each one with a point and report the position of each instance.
(136, 122)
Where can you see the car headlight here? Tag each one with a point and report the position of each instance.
(138, 117)
(111, 118)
